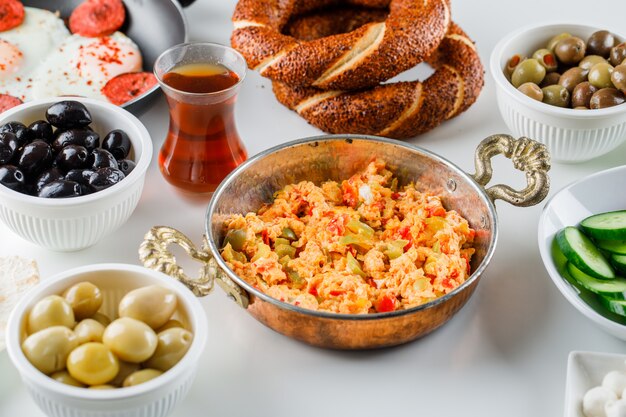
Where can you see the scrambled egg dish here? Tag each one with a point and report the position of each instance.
(361, 246)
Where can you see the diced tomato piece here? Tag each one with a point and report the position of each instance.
(372, 283)
(471, 234)
(395, 196)
(454, 274)
(335, 293)
(313, 291)
(350, 194)
(266, 237)
(337, 226)
(385, 303)
(436, 211)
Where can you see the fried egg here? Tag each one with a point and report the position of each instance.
(24, 48)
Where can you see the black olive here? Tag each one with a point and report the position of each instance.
(72, 157)
(8, 146)
(68, 114)
(12, 177)
(126, 166)
(35, 157)
(49, 175)
(77, 136)
(105, 177)
(60, 189)
(99, 158)
(41, 130)
(118, 143)
(21, 132)
(81, 176)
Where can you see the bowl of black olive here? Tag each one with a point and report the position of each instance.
(71, 170)
(565, 86)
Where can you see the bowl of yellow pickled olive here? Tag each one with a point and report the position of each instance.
(119, 340)
(565, 86)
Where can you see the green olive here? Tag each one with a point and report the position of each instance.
(570, 51)
(551, 78)
(170, 323)
(556, 95)
(618, 77)
(532, 90)
(140, 377)
(48, 349)
(556, 39)
(126, 368)
(528, 71)
(606, 97)
(92, 364)
(50, 311)
(572, 77)
(590, 60)
(600, 43)
(103, 386)
(102, 319)
(65, 378)
(153, 305)
(236, 238)
(85, 299)
(130, 339)
(510, 66)
(547, 59)
(581, 96)
(89, 330)
(618, 54)
(172, 346)
(600, 75)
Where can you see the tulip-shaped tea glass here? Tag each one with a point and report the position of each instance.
(200, 82)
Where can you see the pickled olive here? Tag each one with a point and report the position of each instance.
(60, 189)
(288, 234)
(126, 166)
(511, 64)
(551, 78)
(21, 132)
(99, 158)
(34, 157)
(92, 364)
(572, 77)
(556, 39)
(618, 77)
(46, 177)
(532, 90)
(68, 114)
(556, 95)
(131, 340)
(606, 97)
(89, 330)
(173, 344)
(600, 75)
(118, 143)
(82, 137)
(570, 51)
(591, 60)
(153, 305)
(50, 311)
(581, 96)
(618, 54)
(11, 177)
(85, 299)
(41, 130)
(528, 71)
(236, 238)
(72, 157)
(140, 377)
(65, 378)
(170, 324)
(547, 59)
(600, 43)
(104, 178)
(8, 146)
(102, 319)
(48, 349)
(126, 368)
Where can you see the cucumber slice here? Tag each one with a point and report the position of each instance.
(609, 226)
(612, 288)
(579, 250)
(613, 305)
(613, 246)
(619, 261)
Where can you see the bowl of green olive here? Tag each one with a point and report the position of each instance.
(108, 340)
(565, 86)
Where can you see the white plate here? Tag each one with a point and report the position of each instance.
(585, 370)
(594, 194)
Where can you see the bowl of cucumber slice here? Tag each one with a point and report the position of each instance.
(582, 242)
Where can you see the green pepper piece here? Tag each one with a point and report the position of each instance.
(230, 255)
(295, 277)
(360, 228)
(281, 241)
(353, 266)
(395, 249)
(262, 251)
(284, 261)
(285, 250)
(288, 234)
(357, 240)
(236, 238)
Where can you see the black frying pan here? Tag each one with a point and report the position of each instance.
(154, 25)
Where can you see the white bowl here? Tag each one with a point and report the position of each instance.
(154, 398)
(69, 224)
(570, 135)
(591, 195)
(586, 370)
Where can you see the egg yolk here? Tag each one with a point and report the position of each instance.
(10, 59)
(105, 58)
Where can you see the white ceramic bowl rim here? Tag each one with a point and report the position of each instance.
(143, 139)
(498, 73)
(197, 317)
(564, 287)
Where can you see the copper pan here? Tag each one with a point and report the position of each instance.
(337, 157)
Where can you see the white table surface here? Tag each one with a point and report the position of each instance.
(504, 353)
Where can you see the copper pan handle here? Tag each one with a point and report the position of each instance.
(154, 254)
(527, 155)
